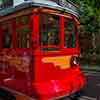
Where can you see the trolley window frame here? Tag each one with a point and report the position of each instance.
(49, 46)
(37, 12)
(12, 35)
(13, 29)
(61, 46)
(19, 27)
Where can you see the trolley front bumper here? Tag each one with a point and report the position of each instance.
(58, 88)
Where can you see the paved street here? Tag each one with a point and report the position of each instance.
(92, 89)
(93, 85)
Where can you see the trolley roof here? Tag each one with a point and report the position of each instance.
(62, 5)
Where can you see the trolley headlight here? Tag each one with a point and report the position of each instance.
(75, 60)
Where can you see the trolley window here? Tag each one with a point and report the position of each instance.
(6, 35)
(49, 32)
(23, 31)
(69, 33)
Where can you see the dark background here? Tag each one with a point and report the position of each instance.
(89, 33)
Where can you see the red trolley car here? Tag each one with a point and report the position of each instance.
(39, 52)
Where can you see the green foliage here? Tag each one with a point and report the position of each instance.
(90, 28)
(89, 15)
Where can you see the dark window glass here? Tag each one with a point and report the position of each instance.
(6, 3)
(69, 33)
(23, 32)
(49, 30)
(6, 35)
(22, 20)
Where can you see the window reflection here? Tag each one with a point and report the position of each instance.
(23, 31)
(6, 35)
(69, 33)
(49, 30)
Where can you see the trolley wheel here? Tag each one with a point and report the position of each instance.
(5, 95)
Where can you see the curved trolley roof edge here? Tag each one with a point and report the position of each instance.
(39, 3)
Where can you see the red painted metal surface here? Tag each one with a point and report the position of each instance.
(38, 74)
(0, 38)
(62, 31)
(13, 28)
